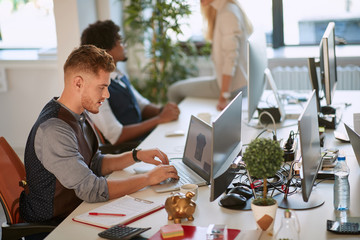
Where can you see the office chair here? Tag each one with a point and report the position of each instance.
(12, 178)
(106, 147)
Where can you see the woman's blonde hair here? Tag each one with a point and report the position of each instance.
(209, 16)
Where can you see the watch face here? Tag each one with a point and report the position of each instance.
(226, 95)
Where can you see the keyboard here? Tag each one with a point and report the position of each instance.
(186, 175)
(120, 231)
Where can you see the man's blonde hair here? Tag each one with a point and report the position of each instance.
(89, 59)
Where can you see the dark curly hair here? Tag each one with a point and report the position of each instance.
(102, 34)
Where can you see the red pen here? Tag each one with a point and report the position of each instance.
(107, 214)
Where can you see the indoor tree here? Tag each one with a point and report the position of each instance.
(152, 23)
(263, 158)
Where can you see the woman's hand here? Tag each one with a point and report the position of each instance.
(222, 103)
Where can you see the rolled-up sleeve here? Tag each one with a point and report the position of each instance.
(56, 147)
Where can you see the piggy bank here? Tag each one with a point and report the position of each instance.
(180, 206)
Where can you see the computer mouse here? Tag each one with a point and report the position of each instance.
(232, 200)
(242, 190)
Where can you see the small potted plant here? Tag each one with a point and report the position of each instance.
(263, 158)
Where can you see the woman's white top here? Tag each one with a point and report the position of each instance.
(229, 50)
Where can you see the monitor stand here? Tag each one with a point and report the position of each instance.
(296, 202)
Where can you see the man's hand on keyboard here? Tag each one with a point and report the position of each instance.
(153, 156)
(161, 173)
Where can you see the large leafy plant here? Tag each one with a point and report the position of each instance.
(263, 158)
(151, 23)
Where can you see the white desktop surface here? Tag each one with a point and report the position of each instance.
(312, 222)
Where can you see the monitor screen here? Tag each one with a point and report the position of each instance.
(325, 85)
(226, 146)
(259, 75)
(311, 160)
(328, 65)
(257, 63)
(310, 146)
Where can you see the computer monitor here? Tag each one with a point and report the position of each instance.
(328, 65)
(311, 160)
(259, 75)
(226, 147)
(325, 85)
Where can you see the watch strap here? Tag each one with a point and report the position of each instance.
(134, 154)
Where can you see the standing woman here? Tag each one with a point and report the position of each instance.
(227, 27)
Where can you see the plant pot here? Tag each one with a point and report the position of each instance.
(264, 216)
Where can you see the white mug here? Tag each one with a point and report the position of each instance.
(190, 187)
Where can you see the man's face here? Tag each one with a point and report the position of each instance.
(95, 91)
(118, 52)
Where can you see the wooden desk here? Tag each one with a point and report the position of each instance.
(312, 222)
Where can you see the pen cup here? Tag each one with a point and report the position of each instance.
(190, 187)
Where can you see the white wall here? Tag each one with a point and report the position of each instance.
(29, 89)
(32, 82)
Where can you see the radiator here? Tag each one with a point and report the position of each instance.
(297, 78)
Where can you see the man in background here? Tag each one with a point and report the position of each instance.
(126, 115)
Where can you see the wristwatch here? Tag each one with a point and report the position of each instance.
(226, 95)
(134, 154)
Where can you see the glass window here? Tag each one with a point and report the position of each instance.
(260, 14)
(305, 21)
(27, 24)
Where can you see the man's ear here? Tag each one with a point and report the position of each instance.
(78, 82)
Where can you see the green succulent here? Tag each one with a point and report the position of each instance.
(263, 158)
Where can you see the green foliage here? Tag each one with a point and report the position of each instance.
(150, 23)
(263, 157)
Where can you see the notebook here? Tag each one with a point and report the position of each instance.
(128, 208)
(195, 165)
(355, 141)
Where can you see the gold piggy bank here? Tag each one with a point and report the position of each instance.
(179, 206)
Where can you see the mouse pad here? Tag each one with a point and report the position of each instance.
(246, 207)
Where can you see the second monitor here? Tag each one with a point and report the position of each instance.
(226, 146)
(311, 161)
(259, 75)
(325, 84)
